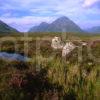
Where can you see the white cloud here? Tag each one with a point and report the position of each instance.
(88, 3)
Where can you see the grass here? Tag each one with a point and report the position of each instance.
(47, 74)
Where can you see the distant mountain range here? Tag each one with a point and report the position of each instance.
(4, 28)
(95, 29)
(62, 24)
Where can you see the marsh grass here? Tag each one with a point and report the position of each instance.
(48, 75)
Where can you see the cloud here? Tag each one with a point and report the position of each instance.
(23, 14)
(89, 3)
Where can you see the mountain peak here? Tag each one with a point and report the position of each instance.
(44, 23)
(60, 24)
(62, 19)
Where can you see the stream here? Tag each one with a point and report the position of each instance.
(13, 57)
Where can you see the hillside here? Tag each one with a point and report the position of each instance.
(62, 24)
(4, 28)
(95, 29)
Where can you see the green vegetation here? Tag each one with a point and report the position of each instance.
(48, 76)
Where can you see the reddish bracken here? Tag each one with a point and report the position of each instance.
(17, 80)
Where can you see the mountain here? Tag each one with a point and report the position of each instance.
(62, 24)
(95, 29)
(41, 28)
(4, 28)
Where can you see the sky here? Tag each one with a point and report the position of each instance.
(24, 14)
